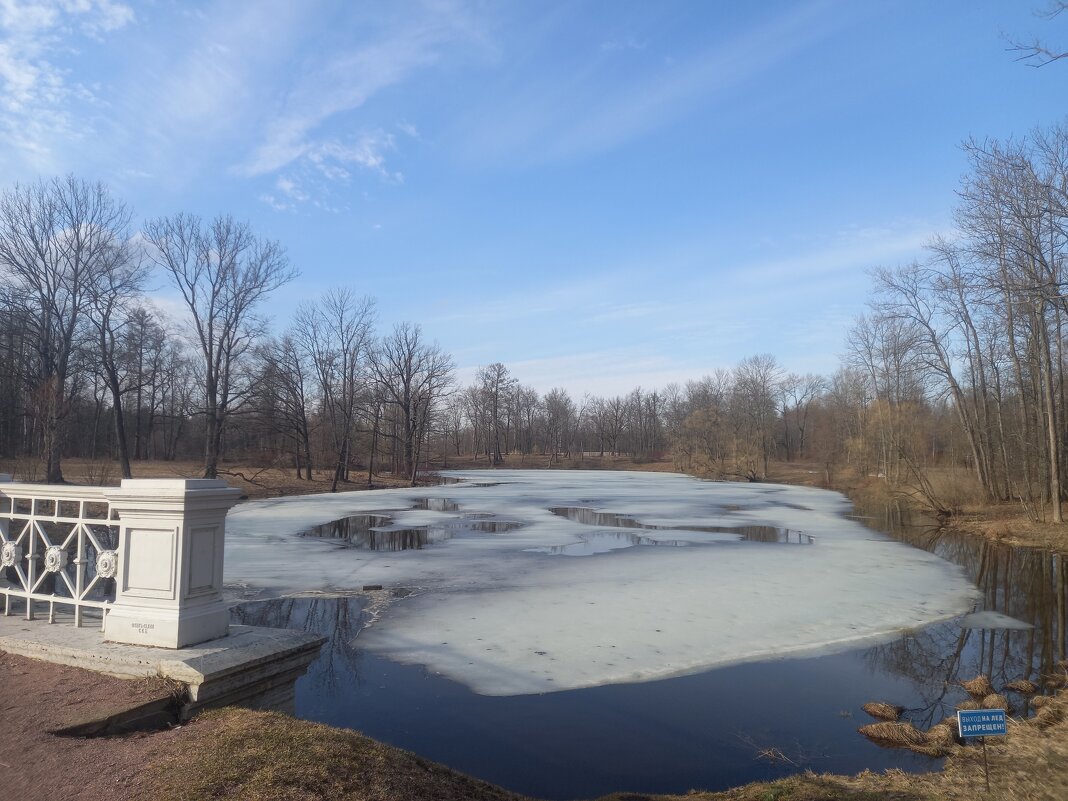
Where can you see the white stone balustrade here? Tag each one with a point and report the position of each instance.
(57, 546)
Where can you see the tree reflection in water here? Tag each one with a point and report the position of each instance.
(339, 619)
(1024, 583)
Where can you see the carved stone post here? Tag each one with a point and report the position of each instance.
(168, 589)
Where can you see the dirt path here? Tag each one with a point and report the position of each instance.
(38, 698)
(234, 753)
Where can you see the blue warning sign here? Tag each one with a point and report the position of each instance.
(981, 722)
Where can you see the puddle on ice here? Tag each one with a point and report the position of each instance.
(602, 542)
(436, 504)
(346, 527)
(375, 533)
(378, 532)
(486, 526)
(353, 532)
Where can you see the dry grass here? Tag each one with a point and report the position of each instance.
(1022, 686)
(954, 489)
(259, 481)
(1008, 522)
(254, 481)
(1030, 764)
(995, 701)
(978, 688)
(894, 734)
(263, 756)
(256, 756)
(880, 710)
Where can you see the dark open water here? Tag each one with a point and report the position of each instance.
(703, 731)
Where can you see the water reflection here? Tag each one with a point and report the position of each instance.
(437, 505)
(375, 531)
(706, 730)
(603, 542)
(1025, 584)
(594, 517)
(485, 526)
(338, 619)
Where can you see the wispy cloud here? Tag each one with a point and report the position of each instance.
(626, 43)
(795, 301)
(333, 158)
(312, 178)
(36, 91)
(599, 105)
(851, 249)
(343, 82)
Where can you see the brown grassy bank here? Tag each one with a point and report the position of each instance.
(255, 756)
(1009, 523)
(259, 481)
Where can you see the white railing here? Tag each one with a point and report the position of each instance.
(148, 555)
(58, 545)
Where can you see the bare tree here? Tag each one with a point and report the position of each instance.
(1035, 53)
(496, 385)
(223, 272)
(335, 335)
(797, 395)
(560, 418)
(145, 342)
(112, 303)
(285, 398)
(413, 376)
(59, 239)
(754, 411)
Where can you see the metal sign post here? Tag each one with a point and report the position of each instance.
(982, 723)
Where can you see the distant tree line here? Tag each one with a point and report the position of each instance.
(952, 386)
(89, 367)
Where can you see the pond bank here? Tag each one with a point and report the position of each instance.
(1006, 523)
(255, 756)
(252, 756)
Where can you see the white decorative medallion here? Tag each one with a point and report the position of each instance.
(10, 554)
(55, 559)
(107, 563)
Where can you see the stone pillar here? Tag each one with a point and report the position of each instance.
(168, 589)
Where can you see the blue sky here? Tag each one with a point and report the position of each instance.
(597, 194)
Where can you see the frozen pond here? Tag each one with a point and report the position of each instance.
(619, 579)
(540, 581)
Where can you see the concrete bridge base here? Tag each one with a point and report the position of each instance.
(251, 666)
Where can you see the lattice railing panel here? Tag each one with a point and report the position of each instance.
(58, 546)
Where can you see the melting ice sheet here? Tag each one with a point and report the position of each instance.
(509, 612)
